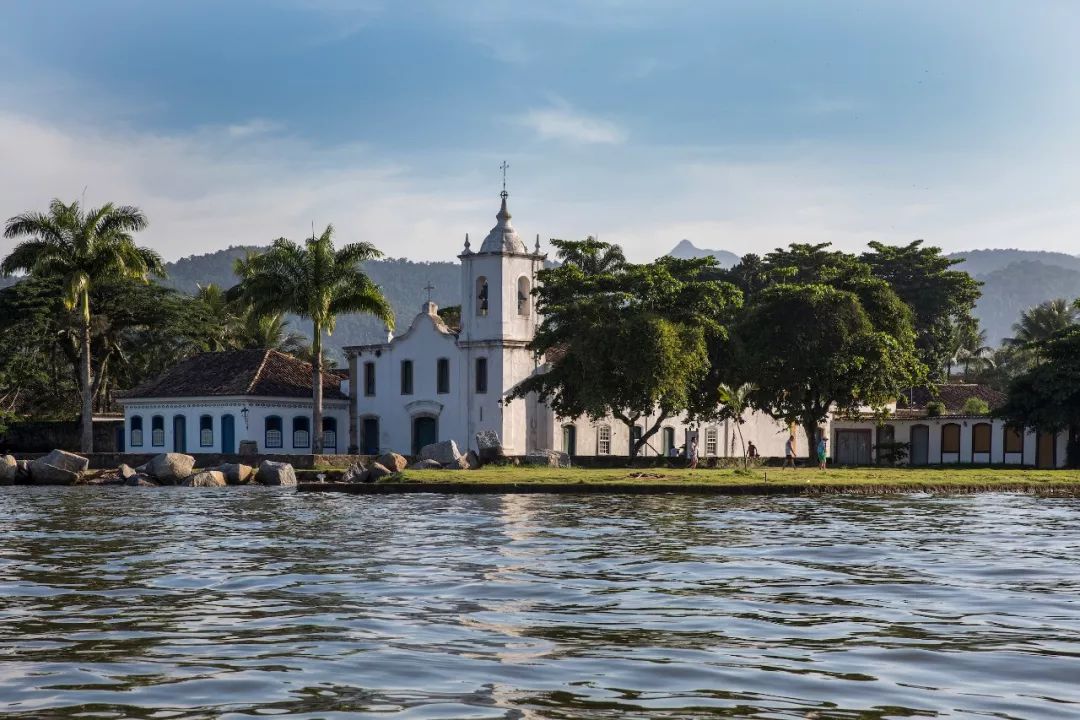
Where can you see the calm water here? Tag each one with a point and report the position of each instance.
(183, 603)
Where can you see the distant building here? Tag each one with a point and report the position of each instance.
(212, 402)
(949, 438)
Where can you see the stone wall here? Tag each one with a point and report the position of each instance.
(44, 436)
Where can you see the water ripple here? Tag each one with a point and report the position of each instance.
(239, 603)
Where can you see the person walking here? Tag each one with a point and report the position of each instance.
(822, 451)
(691, 453)
(789, 452)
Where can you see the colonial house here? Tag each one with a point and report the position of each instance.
(213, 402)
(934, 429)
(434, 383)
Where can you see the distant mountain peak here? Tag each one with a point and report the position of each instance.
(687, 250)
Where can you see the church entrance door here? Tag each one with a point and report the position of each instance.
(425, 432)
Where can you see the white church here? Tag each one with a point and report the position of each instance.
(434, 383)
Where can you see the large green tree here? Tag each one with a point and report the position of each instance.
(316, 282)
(821, 333)
(942, 298)
(624, 340)
(84, 249)
(1047, 396)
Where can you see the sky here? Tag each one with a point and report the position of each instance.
(740, 126)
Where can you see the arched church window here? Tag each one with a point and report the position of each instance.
(523, 298)
(481, 295)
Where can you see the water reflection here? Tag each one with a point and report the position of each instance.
(176, 603)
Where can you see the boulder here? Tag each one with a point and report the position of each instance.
(472, 461)
(9, 468)
(22, 471)
(126, 471)
(169, 468)
(425, 465)
(551, 458)
(276, 473)
(140, 480)
(489, 449)
(111, 477)
(393, 461)
(57, 468)
(444, 452)
(356, 473)
(206, 478)
(378, 472)
(236, 473)
(460, 464)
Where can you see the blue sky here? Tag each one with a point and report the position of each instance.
(738, 125)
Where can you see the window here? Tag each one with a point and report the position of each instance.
(136, 431)
(442, 376)
(157, 431)
(273, 432)
(1014, 440)
(710, 441)
(481, 296)
(603, 440)
(481, 375)
(206, 431)
(301, 432)
(329, 433)
(523, 298)
(980, 438)
(950, 438)
(369, 378)
(406, 377)
(635, 437)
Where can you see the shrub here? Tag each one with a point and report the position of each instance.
(976, 406)
(935, 409)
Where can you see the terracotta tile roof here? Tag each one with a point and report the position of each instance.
(259, 373)
(954, 395)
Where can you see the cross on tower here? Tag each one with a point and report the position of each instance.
(504, 168)
(429, 287)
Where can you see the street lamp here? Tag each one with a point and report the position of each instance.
(244, 411)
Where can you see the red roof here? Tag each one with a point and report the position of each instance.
(259, 373)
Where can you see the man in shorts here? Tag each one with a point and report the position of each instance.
(789, 452)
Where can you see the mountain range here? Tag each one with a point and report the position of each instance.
(1013, 280)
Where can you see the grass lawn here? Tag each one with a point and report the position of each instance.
(915, 477)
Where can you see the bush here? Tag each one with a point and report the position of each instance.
(894, 453)
(976, 406)
(935, 409)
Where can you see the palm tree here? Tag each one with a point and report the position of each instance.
(735, 401)
(82, 249)
(317, 282)
(1041, 322)
(590, 255)
(973, 351)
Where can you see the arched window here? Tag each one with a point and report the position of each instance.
(206, 431)
(329, 434)
(136, 431)
(157, 431)
(442, 376)
(481, 295)
(980, 438)
(950, 438)
(1014, 440)
(301, 432)
(603, 440)
(524, 301)
(273, 432)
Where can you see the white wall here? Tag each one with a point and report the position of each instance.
(259, 409)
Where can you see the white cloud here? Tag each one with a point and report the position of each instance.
(562, 123)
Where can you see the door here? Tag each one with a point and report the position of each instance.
(179, 433)
(228, 434)
(920, 445)
(119, 439)
(425, 432)
(569, 440)
(369, 436)
(1045, 454)
(852, 447)
(668, 437)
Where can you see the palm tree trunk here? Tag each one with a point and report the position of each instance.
(316, 391)
(87, 442)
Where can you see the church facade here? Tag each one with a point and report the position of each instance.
(433, 383)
